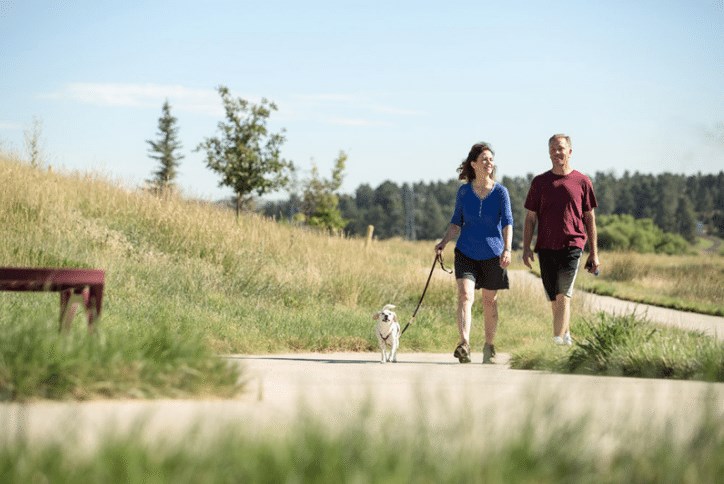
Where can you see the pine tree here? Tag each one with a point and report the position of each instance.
(686, 219)
(388, 211)
(431, 222)
(165, 151)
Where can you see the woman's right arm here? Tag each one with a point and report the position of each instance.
(452, 233)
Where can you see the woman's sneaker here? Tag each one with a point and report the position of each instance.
(462, 353)
(488, 353)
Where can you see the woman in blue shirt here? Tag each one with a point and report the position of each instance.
(483, 224)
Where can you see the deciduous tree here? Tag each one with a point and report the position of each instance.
(245, 154)
(320, 202)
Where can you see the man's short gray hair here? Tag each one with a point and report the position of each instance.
(560, 135)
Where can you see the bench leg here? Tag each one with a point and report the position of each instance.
(69, 301)
(90, 309)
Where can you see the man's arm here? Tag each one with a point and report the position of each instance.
(589, 219)
(531, 219)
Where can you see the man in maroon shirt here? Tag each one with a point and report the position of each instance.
(561, 203)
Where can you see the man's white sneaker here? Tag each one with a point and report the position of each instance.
(558, 340)
(567, 340)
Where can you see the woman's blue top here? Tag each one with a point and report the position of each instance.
(481, 221)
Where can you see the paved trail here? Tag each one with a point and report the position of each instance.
(423, 388)
(433, 389)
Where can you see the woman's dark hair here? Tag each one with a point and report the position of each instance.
(465, 169)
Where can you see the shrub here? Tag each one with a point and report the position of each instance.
(623, 232)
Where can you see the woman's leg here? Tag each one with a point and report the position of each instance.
(466, 296)
(490, 313)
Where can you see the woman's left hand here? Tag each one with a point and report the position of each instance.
(505, 259)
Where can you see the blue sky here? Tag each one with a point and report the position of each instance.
(405, 88)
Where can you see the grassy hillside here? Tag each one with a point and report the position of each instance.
(247, 285)
(186, 281)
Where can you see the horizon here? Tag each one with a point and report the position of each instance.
(403, 89)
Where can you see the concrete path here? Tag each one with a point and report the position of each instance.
(432, 390)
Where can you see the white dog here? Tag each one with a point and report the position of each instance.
(388, 332)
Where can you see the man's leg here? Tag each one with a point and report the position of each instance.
(567, 271)
(561, 314)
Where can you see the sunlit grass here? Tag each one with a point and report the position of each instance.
(219, 285)
(629, 346)
(136, 362)
(688, 282)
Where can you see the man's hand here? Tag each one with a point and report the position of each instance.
(592, 264)
(531, 219)
(528, 257)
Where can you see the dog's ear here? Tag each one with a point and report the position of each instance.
(376, 316)
(388, 306)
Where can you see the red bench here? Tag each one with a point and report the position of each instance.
(74, 285)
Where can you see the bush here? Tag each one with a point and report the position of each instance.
(623, 232)
(672, 244)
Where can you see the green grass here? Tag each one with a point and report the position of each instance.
(186, 281)
(148, 361)
(544, 447)
(629, 346)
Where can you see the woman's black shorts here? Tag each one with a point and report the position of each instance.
(487, 274)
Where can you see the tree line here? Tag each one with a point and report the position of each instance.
(677, 204)
(248, 159)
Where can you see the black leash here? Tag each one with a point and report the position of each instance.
(438, 258)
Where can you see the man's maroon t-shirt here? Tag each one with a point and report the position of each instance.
(560, 201)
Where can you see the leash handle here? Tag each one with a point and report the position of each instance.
(442, 264)
(438, 258)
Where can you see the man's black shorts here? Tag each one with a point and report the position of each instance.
(558, 269)
(487, 274)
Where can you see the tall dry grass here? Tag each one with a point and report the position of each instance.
(248, 284)
(688, 282)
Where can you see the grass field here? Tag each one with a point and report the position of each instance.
(186, 281)
(687, 282)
